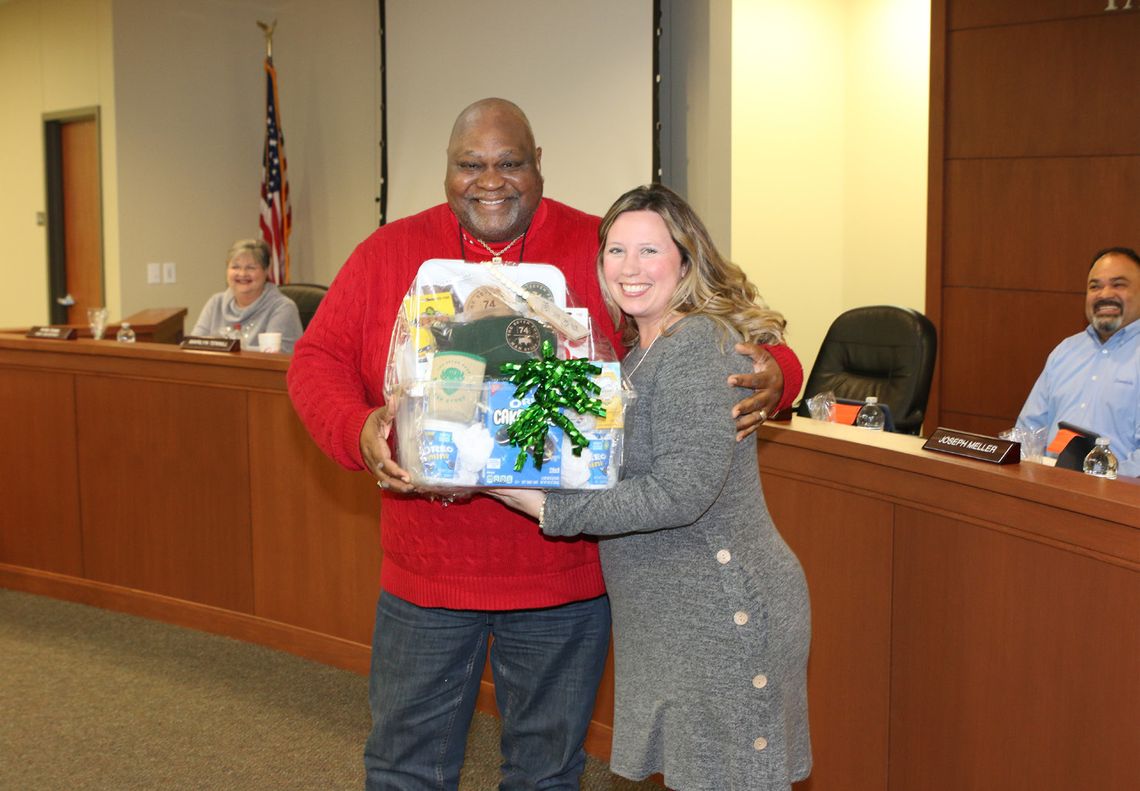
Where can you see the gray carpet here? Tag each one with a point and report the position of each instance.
(92, 700)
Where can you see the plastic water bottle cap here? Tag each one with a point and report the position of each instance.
(872, 400)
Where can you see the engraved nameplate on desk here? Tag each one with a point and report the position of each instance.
(974, 446)
(54, 333)
(200, 343)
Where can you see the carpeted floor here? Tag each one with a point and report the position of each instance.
(92, 700)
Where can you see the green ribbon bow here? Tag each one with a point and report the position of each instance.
(558, 385)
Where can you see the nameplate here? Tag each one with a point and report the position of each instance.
(202, 344)
(974, 446)
(54, 333)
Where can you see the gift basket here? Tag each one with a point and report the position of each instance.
(498, 380)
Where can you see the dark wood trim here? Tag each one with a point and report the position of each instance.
(382, 198)
(936, 175)
(53, 193)
(328, 649)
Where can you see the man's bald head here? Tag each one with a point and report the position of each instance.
(491, 109)
(494, 176)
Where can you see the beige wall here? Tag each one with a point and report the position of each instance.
(55, 56)
(885, 158)
(183, 117)
(330, 56)
(829, 115)
(180, 88)
(582, 72)
(190, 112)
(697, 109)
(810, 160)
(191, 90)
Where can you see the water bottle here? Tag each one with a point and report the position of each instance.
(125, 334)
(1101, 461)
(871, 415)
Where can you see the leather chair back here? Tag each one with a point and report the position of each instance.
(308, 297)
(881, 350)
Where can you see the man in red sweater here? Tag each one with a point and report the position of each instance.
(455, 577)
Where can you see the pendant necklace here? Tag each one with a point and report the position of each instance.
(637, 364)
(496, 256)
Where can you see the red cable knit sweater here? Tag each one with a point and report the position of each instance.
(473, 554)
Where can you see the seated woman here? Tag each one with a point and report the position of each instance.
(711, 617)
(250, 302)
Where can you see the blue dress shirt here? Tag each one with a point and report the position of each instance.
(1093, 385)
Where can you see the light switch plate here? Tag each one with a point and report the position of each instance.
(153, 274)
(169, 275)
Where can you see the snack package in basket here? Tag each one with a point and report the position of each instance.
(498, 379)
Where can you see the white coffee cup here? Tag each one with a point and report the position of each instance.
(269, 341)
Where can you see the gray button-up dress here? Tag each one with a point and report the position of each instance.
(710, 607)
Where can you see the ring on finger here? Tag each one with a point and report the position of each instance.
(382, 484)
(763, 415)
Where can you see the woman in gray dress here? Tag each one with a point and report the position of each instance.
(711, 616)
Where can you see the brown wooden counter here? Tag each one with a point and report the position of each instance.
(181, 486)
(973, 626)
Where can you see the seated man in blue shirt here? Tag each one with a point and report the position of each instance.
(1092, 379)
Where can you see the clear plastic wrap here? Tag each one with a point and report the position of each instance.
(821, 406)
(1032, 442)
(498, 379)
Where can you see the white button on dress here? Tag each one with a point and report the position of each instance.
(740, 618)
(760, 743)
(760, 681)
(723, 556)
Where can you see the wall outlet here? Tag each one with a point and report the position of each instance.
(153, 274)
(169, 275)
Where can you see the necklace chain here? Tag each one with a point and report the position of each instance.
(648, 349)
(497, 257)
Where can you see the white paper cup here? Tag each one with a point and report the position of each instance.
(269, 341)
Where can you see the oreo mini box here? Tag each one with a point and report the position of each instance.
(502, 409)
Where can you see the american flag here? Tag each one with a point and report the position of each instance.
(276, 215)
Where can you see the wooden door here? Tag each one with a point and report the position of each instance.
(82, 217)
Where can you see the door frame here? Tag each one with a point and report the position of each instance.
(53, 194)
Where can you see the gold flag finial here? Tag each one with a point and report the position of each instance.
(268, 31)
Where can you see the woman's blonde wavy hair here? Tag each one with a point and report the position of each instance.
(710, 285)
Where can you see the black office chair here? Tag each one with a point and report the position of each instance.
(308, 297)
(882, 351)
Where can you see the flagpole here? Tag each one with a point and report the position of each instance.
(276, 217)
(268, 31)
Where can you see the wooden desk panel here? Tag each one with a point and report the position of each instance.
(316, 559)
(1014, 664)
(165, 489)
(848, 562)
(40, 504)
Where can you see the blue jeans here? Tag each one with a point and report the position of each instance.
(426, 668)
